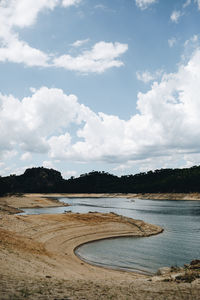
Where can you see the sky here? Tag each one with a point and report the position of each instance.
(99, 85)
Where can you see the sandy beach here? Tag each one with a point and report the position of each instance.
(38, 261)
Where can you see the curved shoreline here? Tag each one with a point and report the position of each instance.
(122, 269)
(151, 230)
(111, 238)
(125, 226)
(54, 239)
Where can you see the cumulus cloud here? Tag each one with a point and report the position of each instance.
(143, 4)
(165, 130)
(28, 123)
(19, 14)
(101, 57)
(20, 52)
(23, 13)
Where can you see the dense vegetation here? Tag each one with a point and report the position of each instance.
(43, 180)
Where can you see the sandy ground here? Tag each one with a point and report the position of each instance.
(15, 203)
(159, 196)
(37, 259)
(168, 196)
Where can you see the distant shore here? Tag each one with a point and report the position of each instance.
(168, 196)
(13, 204)
(150, 196)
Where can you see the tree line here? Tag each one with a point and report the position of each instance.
(43, 180)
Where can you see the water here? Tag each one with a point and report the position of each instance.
(177, 245)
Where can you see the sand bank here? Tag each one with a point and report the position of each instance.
(160, 196)
(168, 196)
(14, 203)
(43, 245)
(50, 241)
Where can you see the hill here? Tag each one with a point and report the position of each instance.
(43, 180)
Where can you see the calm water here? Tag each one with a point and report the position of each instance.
(177, 245)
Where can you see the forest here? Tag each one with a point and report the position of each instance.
(43, 180)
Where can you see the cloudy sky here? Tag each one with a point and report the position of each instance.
(99, 85)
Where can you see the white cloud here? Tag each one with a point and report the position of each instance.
(143, 4)
(164, 132)
(48, 164)
(67, 3)
(193, 41)
(146, 76)
(192, 159)
(68, 174)
(172, 42)
(29, 122)
(60, 146)
(20, 52)
(175, 16)
(23, 13)
(80, 43)
(167, 122)
(26, 156)
(101, 57)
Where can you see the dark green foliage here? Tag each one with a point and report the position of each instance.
(3, 186)
(43, 180)
(35, 180)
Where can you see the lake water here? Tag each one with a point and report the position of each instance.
(177, 245)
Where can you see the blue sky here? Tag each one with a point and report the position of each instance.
(99, 85)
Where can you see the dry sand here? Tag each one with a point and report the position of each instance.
(158, 196)
(168, 196)
(37, 259)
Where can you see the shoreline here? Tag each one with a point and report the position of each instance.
(134, 271)
(13, 204)
(53, 235)
(168, 196)
(37, 256)
(142, 196)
